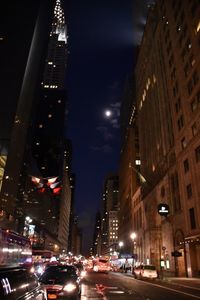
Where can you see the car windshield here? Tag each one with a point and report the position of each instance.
(149, 267)
(58, 275)
(103, 261)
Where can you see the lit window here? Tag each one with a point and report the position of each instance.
(138, 162)
(198, 27)
(183, 143)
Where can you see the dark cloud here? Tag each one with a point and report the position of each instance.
(103, 148)
(105, 133)
(115, 123)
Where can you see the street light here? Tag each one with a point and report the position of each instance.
(133, 236)
(27, 222)
(121, 244)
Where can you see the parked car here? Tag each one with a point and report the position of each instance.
(19, 283)
(61, 282)
(145, 271)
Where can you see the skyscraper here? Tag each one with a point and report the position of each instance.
(36, 182)
(24, 37)
(49, 148)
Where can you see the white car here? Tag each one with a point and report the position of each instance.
(145, 271)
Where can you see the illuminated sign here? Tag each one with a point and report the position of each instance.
(163, 209)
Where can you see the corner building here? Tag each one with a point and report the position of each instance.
(168, 103)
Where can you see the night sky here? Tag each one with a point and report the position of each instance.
(103, 36)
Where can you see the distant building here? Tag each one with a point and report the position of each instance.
(76, 242)
(96, 245)
(109, 235)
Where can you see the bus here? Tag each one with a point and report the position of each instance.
(15, 249)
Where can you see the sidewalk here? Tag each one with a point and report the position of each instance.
(193, 282)
(184, 281)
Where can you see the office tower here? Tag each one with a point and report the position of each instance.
(110, 213)
(49, 148)
(96, 244)
(36, 178)
(24, 37)
(168, 93)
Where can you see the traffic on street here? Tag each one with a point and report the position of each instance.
(76, 281)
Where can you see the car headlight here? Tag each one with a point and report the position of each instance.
(32, 269)
(40, 270)
(69, 287)
(96, 269)
(83, 273)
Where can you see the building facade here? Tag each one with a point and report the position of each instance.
(167, 89)
(129, 167)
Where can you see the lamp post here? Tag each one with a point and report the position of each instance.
(121, 244)
(27, 222)
(133, 236)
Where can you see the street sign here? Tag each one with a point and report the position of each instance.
(135, 256)
(163, 209)
(125, 255)
(176, 253)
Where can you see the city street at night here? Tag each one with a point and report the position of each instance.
(117, 286)
(100, 149)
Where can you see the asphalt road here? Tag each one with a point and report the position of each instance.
(116, 286)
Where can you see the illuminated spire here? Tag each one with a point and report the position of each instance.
(58, 25)
(59, 13)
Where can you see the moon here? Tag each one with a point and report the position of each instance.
(108, 113)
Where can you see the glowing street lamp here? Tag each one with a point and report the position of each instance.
(133, 236)
(27, 222)
(121, 244)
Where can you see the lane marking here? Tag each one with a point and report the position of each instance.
(170, 289)
(189, 287)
